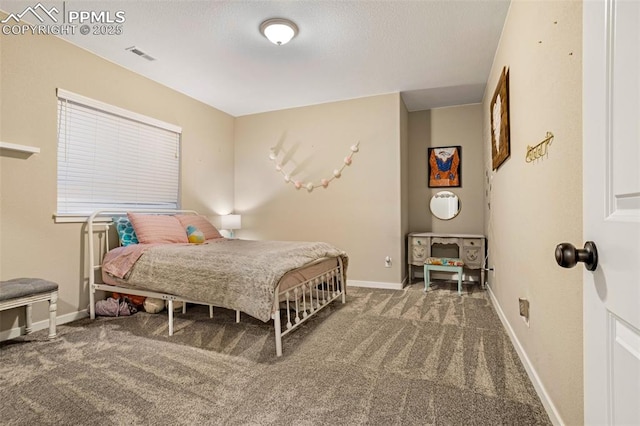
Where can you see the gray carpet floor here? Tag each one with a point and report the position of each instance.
(384, 358)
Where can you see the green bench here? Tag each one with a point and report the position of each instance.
(443, 264)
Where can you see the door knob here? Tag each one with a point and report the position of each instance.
(568, 256)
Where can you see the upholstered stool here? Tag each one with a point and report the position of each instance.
(443, 264)
(26, 291)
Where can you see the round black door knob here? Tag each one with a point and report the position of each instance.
(568, 256)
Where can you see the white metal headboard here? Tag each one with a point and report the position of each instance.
(95, 263)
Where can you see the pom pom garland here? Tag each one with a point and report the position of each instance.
(324, 183)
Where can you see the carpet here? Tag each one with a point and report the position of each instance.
(386, 357)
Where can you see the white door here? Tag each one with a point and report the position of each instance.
(611, 191)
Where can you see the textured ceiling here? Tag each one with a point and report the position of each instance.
(435, 52)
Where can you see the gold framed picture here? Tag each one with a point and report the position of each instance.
(500, 145)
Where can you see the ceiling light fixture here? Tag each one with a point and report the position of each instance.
(278, 30)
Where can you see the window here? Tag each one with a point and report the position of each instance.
(109, 157)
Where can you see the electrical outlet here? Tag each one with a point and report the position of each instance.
(387, 262)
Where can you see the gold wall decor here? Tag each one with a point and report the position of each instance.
(500, 145)
(540, 150)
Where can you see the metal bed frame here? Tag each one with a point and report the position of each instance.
(299, 299)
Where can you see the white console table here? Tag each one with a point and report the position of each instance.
(471, 249)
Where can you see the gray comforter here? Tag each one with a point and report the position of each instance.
(234, 274)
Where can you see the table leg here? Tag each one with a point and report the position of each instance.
(29, 309)
(53, 307)
(426, 278)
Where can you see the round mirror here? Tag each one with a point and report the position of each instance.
(445, 205)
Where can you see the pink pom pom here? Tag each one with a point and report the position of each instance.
(297, 184)
(324, 183)
(347, 160)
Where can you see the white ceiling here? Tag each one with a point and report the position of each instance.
(435, 52)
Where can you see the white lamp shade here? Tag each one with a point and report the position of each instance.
(231, 221)
(279, 31)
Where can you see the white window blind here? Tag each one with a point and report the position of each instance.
(109, 157)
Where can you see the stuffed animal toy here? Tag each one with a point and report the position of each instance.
(153, 306)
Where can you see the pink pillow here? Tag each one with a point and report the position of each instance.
(151, 228)
(210, 232)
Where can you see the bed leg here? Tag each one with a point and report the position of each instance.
(342, 280)
(210, 311)
(237, 316)
(278, 332)
(184, 307)
(170, 317)
(92, 302)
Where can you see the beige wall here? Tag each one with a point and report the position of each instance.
(360, 212)
(461, 125)
(534, 206)
(31, 244)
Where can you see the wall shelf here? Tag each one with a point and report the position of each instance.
(19, 148)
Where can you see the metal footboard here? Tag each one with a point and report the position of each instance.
(306, 299)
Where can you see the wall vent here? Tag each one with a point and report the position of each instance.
(140, 53)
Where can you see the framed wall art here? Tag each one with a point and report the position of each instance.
(500, 145)
(444, 166)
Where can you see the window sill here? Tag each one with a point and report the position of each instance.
(77, 219)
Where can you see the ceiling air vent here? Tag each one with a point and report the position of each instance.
(140, 53)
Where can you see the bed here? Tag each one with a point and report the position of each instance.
(286, 282)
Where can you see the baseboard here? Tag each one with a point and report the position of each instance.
(551, 409)
(375, 284)
(44, 324)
